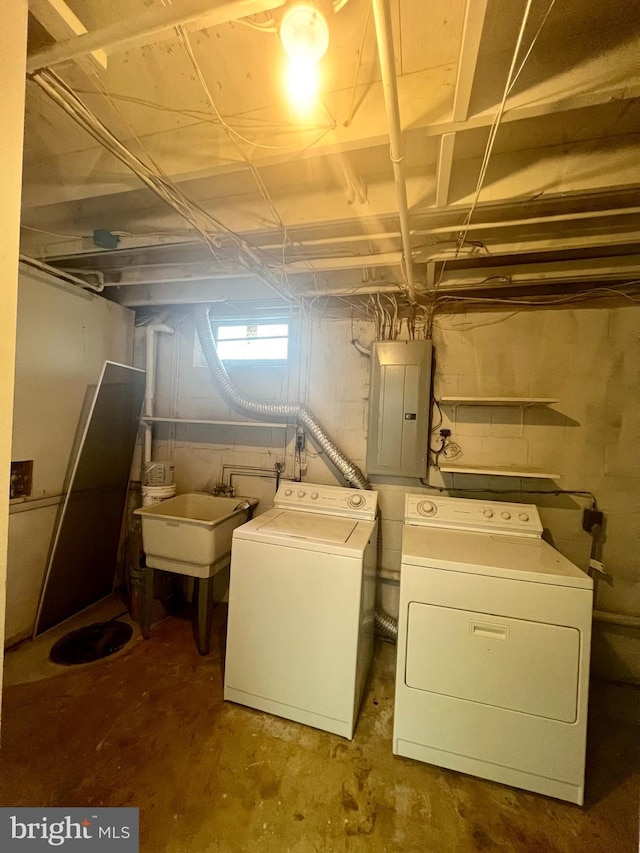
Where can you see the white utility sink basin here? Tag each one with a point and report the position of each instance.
(191, 534)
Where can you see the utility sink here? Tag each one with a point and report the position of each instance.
(191, 533)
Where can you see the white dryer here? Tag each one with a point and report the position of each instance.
(494, 641)
(301, 606)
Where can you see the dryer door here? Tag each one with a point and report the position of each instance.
(531, 667)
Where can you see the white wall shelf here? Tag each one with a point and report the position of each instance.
(262, 424)
(497, 401)
(498, 471)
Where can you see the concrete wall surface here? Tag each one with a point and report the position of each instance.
(587, 359)
(64, 336)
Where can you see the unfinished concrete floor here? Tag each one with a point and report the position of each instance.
(148, 728)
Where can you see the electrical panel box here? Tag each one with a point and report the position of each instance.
(399, 408)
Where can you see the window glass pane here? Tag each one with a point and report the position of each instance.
(253, 341)
(256, 330)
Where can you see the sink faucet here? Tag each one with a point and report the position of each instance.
(221, 490)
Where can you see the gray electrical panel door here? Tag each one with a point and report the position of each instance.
(399, 405)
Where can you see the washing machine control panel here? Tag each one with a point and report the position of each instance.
(328, 500)
(473, 515)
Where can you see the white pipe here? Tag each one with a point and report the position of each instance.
(384, 36)
(452, 229)
(533, 220)
(150, 383)
(67, 277)
(128, 30)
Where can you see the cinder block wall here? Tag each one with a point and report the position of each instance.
(588, 359)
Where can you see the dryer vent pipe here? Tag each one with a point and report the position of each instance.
(262, 408)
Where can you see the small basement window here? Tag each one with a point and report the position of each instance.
(260, 341)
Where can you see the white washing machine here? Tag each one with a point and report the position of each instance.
(494, 641)
(301, 606)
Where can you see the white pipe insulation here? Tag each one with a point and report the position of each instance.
(384, 37)
(150, 382)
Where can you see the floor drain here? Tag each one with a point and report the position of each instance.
(91, 643)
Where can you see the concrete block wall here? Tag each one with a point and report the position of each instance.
(588, 359)
(207, 455)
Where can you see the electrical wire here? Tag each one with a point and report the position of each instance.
(207, 226)
(580, 296)
(266, 27)
(577, 493)
(498, 118)
(492, 137)
(203, 116)
(533, 41)
(53, 233)
(354, 87)
(235, 138)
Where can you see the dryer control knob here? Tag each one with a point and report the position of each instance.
(301, 494)
(314, 496)
(426, 508)
(505, 515)
(523, 516)
(288, 492)
(488, 513)
(355, 501)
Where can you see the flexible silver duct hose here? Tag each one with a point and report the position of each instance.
(352, 474)
(386, 625)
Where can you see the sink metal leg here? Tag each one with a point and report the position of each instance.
(147, 604)
(205, 601)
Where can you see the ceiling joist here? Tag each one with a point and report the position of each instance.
(120, 35)
(62, 23)
(474, 15)
(319, 196)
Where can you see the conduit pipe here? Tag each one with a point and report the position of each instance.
(150, 382)
(384, 37)
(452, 229)
(66, 277)
(349, 470)
(626, 620)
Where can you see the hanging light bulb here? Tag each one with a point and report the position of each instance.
(302, 82)
(304, 34)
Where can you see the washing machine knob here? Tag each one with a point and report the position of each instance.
(314, 496)
(488, 513)
(288, 492)
(505, 515)
(426, 508)
(355, 501)
(301, 494)
(523, 516)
